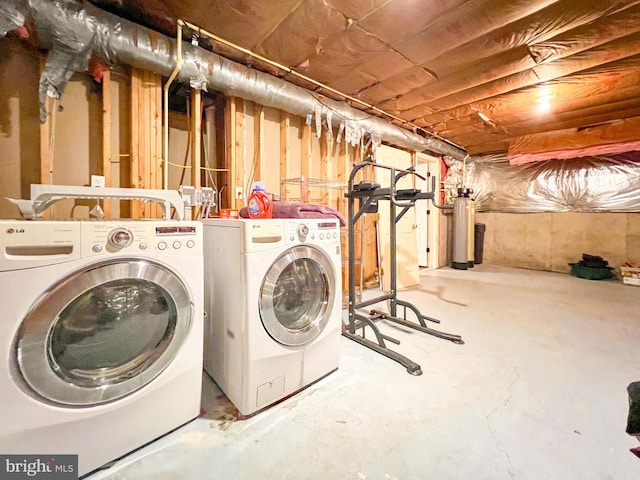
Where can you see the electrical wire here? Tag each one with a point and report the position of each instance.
(177, 165)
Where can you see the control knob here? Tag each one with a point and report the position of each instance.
(302, 231)
(120, 238)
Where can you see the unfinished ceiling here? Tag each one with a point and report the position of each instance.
(488, 75)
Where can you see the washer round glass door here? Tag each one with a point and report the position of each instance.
(297, 296)
(103, 332)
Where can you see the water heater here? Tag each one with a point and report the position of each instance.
(462, 209)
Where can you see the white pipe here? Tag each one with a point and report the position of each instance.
(172, 77)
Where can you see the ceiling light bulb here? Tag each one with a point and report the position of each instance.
(545, 91)
(545, 104)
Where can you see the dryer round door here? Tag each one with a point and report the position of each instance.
(297, 296)
(103, 332)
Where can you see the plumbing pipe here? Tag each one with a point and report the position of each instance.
(165, 113)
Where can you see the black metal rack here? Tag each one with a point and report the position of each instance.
(368, 195)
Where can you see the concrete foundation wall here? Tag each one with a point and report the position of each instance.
(549, 241)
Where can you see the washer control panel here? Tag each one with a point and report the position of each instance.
(317, 231)
(166, 236)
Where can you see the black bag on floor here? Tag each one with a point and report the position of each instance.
(633, 421)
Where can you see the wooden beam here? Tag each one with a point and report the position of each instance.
(157, 164)
(580, 119)
(46, 147)
(239, 177)
(106, 139)
(196, 137)
(134, 175)
(606, 139)
(46, 143)
(326, 171)
(306, 160)
(144, 160)
(146, 139)
(285, 154)
(342, 176)
(46, 139)
(258, 143)
(230, 151)
(212, 177)
(486, 148)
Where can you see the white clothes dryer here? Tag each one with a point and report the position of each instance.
(273, 299)
(101, 335)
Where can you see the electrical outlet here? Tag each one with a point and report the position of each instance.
(98, 181)
(207, 195)
(239, 193)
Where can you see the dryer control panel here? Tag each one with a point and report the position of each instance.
(168, 237)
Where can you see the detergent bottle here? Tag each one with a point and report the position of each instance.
(260, 204)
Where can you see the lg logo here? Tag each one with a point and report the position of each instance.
(15, 230)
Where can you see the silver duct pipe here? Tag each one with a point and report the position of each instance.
(10, 17)
(73, 32)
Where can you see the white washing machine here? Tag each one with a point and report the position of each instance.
(101, 335)
(273, 298)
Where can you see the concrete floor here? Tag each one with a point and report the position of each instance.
(537, 392)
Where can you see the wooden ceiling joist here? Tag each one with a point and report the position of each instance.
(618, 137)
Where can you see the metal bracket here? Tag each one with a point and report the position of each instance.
(43, 196)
